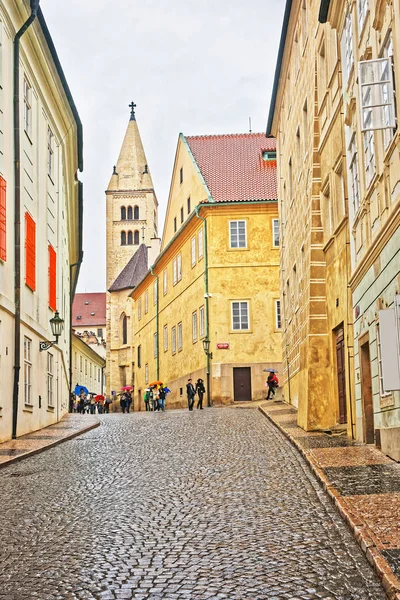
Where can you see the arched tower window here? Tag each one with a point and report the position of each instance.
(123, 238)
(136, 238)
(124, 323)
(123, 213)
(136, 213)
(129, 213)
(130, 238)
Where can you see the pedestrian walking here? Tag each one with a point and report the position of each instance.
(200, 390)
(128, 401)
(92, 405)
(191, 392)
(122, 403)
(107, 403)
(161, 398)
(272, 383)
(147, 399)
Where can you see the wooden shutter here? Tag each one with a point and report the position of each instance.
(3, 239)
(52, 278)
(30, 252)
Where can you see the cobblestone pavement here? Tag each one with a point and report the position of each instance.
(177, 505)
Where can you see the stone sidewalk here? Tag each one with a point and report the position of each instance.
(69, 427)
(362, 482)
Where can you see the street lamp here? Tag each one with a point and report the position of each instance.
(206, 348)
(57, 325)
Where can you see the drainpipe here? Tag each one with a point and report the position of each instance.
(17, 216)
(206, 295)
(157, 329)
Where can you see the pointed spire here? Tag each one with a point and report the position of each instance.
(132, 106)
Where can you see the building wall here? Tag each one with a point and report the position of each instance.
(119, 355)
(50, 197)
(88, 367)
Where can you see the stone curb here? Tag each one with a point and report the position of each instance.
(52, 444)
(359, 529)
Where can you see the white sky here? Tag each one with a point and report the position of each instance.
(191, 66)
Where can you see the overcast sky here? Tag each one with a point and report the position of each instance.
(191, 66)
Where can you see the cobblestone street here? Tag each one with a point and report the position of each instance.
(176, 505)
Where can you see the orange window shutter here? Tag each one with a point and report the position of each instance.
(52, 278)
(30, 252)
(3, 221)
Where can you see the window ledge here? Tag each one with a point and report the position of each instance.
(50, 409)
(28, 408)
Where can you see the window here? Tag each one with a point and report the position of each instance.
(278, 321)
(304, 22)
(165, 281)
(146, 373)
(363, 7)
(175, 225)
(100, 333)
(179, 336)
(123, 238)
(139, 356)
(3, 219)
(305, 127)
(165, 330)
(30, 252)
(155, 343)
(136, 238)
(136, 213)
(129, 213)
(28, 370)
(298, 150)
(27, 108)
(130, 238)
(321, 65)
(240, 315)
(347, 49)
(146, 302)
(181, 175)
(237, 231)
(139, 309)
(275, 233)
(123, 213)
(124, 330)
(90, 370)
(98, 374)
(173, 340)
(369, 156)
(353, 174)
(377, 93)
(85, 366)
(388, 132)
(200, 244)
(193, 251)
(194, 326)
(80, 363)
(50, 153)
(382, 390)
(155, 288)
(202, 322)
(179, 266)
(188, 206)
(182, 214)
(52, 278)
(327, 212)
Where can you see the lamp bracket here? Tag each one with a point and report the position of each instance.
(46, 345)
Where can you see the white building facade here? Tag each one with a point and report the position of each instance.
(88, 368)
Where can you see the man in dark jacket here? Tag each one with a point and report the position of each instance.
(191, 392)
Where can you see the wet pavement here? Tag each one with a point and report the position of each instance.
(210, 504)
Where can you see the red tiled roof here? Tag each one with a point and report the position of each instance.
(86, 304)
(233, 166)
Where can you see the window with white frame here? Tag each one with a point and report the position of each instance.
(80, 363)
(173, 340)
(179, 266)
(275, 233)
(155, 292)
(194, 326)
(139, 309)
(175, 271)
(155, 341)
(90, 370)
(146, 302)
(377, 94)
(50, 374)
(50, 153)
(200, 244)
(363, 7)
(382, 390)
(369, 156)
(85, 366)
(179, 336)
(240, 315)
(201, 321)
(165, 281)
(388, 132)
(27, 107)
(146, 373)
(193, 251)
(353, 173)
(237, 231)
(165, 338)
(347, 48)
(278, 318)
(28, 370)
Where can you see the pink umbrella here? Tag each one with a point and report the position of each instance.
(127, 388)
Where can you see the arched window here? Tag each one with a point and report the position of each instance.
(136, 238)
(136, 213)
(124, 329)
(129, 213)
(130, 239)
(123, 238)
(123, 213)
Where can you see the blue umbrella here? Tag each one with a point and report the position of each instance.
(167, 390)
(78, 389)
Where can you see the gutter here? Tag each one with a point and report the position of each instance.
(34, 4)
(157, 327)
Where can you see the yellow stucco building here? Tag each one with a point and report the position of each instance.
(217, 276)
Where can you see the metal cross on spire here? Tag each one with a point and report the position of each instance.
(132, 106)
(143, 230)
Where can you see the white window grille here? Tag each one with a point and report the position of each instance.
(369, 156)
(27, 107)
(240, 315)
(146, 302)
(155, 345)
(50, 373)
(193, 251)
(200, 243)
(363, 7)
(175, 271)
(194, 326)
(165, 338)
(50, 153)
(165, 281)
(28, 370)
(179, 336)
(179, 266)
(347, 48)
(376, 94)
(237, 231)
(275, 233)
(353, 173)
(201, 321)
(146, 373)
(278, 319)
(173, 340)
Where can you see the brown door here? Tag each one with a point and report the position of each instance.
(241, 384)
(366, 393)
(341, 374)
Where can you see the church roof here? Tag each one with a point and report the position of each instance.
(133, 272)
(89, 310)
(236, 167)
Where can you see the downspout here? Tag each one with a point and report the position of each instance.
(17, 215)
(157, 329)
(206, 295)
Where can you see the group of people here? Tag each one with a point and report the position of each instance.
(90, 403)
(125, 401)
(154, 398)
(192, 390)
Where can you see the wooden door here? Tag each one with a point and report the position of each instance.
(366, 394)
(341, 374)
(241, 384)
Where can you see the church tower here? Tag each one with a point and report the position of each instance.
(131, 203)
